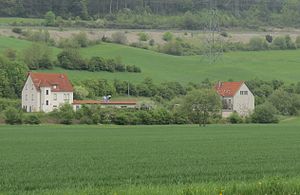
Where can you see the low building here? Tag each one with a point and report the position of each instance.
(236, 97)
(44, 92)
(77, 104)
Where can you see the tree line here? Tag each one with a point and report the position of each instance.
(139, 13)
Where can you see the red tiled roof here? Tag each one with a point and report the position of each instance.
(61, 81)
(104, 103)
(228, 89)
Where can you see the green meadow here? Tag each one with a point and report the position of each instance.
(12, 20)
(266, 65)
(237, 159)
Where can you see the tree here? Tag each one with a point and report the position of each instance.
(200, 105)
(80, 92)
(37, 56)
(286, 103)
(66, 114)
(50, 18)
(189, 21)
(12, 77)
(265, 113)
(70, 58)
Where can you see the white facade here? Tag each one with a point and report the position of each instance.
(243, 102)
(43, 99)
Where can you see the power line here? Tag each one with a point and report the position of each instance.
(213, 41)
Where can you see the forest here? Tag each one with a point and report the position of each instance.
(279, 13)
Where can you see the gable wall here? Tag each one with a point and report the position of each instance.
(30, 97)
(244, 104)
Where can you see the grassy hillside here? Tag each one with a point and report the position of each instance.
(19, 45)
(16, 44)
(267, 65)
(60, 158)
(12, 20)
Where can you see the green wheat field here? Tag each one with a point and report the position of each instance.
(234, 159)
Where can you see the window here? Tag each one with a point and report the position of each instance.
(32, 97)
(243, 92)
(47, 102)
(66, 96)
(26, 97)
(26, 87)
(47, 92)
(55, 97)
(54, 86)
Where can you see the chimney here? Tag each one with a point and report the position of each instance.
(219, 84)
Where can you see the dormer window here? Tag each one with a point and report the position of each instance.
(54, 86)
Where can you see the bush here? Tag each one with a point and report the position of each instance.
(17, 30)
(122, 119)
(172, 48)
(97, 64)
(81, 39)
(129, 68)
(298, 41)
(235, 118)
(13, 116)
(32, 119)
(224, 34)
(139, 45)
(265, 113)
(67, 43)
(66, 114)
(269, 38)
(289, 42)
(168, 36)
(39, 36)
(137, 69)
(151, 42)
(143, 36)
(119, 37)
(279, 43)
(11, 54)
(6, 103)
(257, 43)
